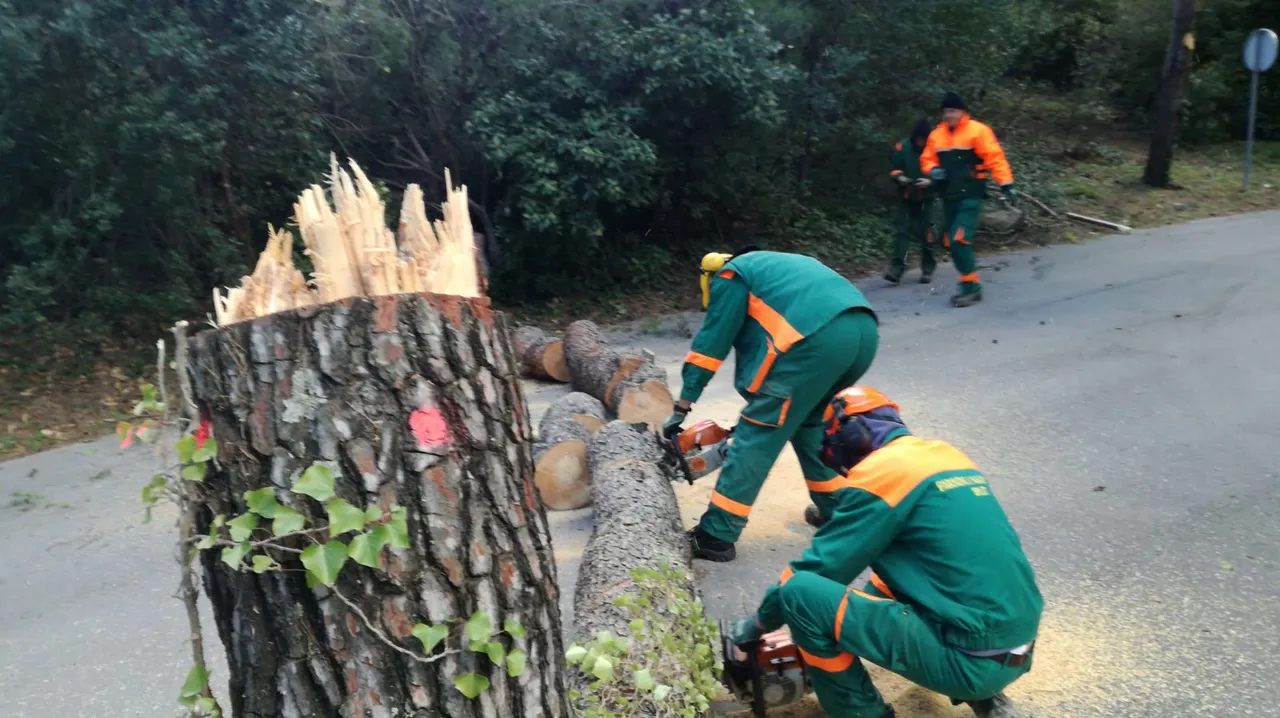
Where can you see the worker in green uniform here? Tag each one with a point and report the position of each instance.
(959, 157)
(801, 332)
(914, 220)
(952, 603)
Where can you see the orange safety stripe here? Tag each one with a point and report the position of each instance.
(829, 665)
(782, 333)
(960, 236)
(895, 173)
(765, 365)
(702, 361)
(727, 274)
(863, 594)
(782, 415)
(973, 277)
(724, 503)
(844, 605)
(894, 471)
(829, 486)
(787, 573)
(880, 585)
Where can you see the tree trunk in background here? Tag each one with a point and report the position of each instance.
(1177, 65)
(349, 383)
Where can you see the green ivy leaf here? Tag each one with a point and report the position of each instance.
(643, 680)
(206, 452)
(287, 521)
(343, 517)
(242, 526)
(575, 654)
(431, 636)
(197, 681)
(195, 472)
(207, 542)
(471, 684)
(233, 555)
(154, 490)
(316, 482)
(636, 625)
(661, 692)
(206, 706)
(479, 627)
(603, 669)
(186, 447)
(324, 562)
(364, 550)
(373, 514)
(516, 662)
(495, 652)
(262, 564)
(262, 502)
(399, 528)
(513, 627)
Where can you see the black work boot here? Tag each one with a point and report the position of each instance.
(966, 299)
(926, 277)
(814, 517)
(997, 706)
(893, 277)
(709, 548)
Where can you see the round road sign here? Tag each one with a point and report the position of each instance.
(1260, 50)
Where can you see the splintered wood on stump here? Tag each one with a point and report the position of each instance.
(411, 400)
(541, 355)
(637, 523)
(560, 456)
(634, 388)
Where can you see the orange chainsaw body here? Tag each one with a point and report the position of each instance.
(704, 446)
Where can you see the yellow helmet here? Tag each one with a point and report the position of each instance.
(711, 263)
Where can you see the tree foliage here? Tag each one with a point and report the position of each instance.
(146, 145)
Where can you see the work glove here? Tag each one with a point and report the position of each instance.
(671, 427)
(937, 174)
(747, 631)
(903, 179)
(1010, 194)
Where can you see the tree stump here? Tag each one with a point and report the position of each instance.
(560, 456)
(411, 401)
(637, 523)
(541, 355)
(634, 388)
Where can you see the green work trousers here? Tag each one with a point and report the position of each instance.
(913, 225)
(789, 407)
(885, 632)
(960, 225)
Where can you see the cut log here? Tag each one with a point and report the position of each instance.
(541, 355)
(632, 387)
(412, 401)
(582, 408)
(637, 523)
(560, 456)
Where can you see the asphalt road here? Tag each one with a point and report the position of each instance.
(1119, 394)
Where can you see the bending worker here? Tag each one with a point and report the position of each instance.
(959, 157)
(952, 604)
(802, 332)
(915, 207)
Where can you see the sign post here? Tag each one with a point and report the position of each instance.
(1259, 55)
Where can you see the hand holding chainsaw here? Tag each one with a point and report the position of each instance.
(671, 427)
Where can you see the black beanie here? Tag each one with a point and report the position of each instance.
(953, 101)
(922, 130)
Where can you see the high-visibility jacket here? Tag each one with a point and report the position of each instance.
(763, 304)
(970, 155)
(923, 517)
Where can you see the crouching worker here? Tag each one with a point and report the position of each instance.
(801, 332)
(952, 604)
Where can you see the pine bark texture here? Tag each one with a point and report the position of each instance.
(632, 387)
(637, 523)
(541, 355)
(1173, 78)
(338, 384)
(583, 408)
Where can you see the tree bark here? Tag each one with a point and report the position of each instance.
(541, 355)
(1177, 65)
(632, 387)
(345, 383)
(637, 523)
(560, 456)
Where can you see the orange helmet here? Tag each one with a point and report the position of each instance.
(850, 402)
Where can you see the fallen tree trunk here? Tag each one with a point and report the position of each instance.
(541, 355)
(413, 404)
(560, 456)
(637, 524)
(634, 388)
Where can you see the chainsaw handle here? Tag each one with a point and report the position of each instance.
(757, 686)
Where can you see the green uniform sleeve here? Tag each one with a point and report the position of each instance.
(726, 311)
(859, 530)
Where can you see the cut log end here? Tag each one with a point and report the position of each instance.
(591, 423)
(553, 362)
(562, 478)
(650, 403)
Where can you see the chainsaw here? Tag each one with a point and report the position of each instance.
(767, 674)
(698, 450)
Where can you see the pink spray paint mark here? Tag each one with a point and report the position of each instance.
(429, 427)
